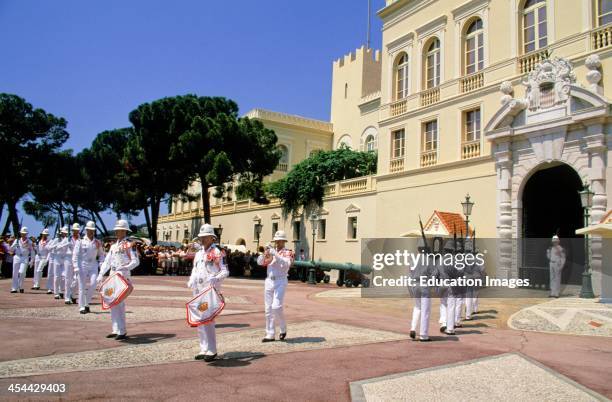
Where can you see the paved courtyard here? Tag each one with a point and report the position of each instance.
(339, 347)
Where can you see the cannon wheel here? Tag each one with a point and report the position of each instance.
(348, 283)
(365, 283)
(339, 283)
(326, 279)
(357, 282)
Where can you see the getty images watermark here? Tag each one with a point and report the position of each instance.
(438, 269)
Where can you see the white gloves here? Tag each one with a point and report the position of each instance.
(214, 281)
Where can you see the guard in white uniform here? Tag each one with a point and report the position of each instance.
(51, 264)
(87, 255)
(59, 252)
(448, 294)
(69, 267)
(121, 258)
(23, 255)
(42, 258)
(209, 268)
(422, 297)
(278, 260)
(556, 262)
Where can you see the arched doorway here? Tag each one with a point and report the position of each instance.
(551, 204)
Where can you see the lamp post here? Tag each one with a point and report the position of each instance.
(586, 197)
(219, 231)
(314, 218)
(258, 227)
(467, 211)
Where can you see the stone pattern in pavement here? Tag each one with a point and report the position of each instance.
(312, 335)
(509, 377)
(565, 315)
(185, 299)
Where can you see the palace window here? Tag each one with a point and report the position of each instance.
(296, 230)
(352, 227)
(401, 77)
(322, 227)
(474, 47)
(471, 130)
(535, 31)
(370, 143)
(432, 64)
(398, 144)
(604, 12)
(430, 136)
(283, 163)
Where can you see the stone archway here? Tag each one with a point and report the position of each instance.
(550, 204)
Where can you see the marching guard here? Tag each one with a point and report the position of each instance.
(59, 252)
(278, 260)
(422, 297)
(209, 269)
(23, 255)
(52, 260)
(121, 258)
(42, 258)
(86, 256)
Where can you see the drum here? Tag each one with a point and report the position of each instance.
(203, 308)
(114, 290)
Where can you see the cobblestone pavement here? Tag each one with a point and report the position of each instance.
(567, 316)
(336, 339)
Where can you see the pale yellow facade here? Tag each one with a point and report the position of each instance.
(452, 76)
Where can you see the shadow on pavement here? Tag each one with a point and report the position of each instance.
(237, 359)
(483, 317)
(305, 339)
(470, 332)
(486, 312)
(141, 339)
(444, 338)
(232, 325)
(478, 325)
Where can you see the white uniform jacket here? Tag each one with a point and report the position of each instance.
(122, 258)
(278, 268)
(22, 251)
(87, 253)
(209, 268)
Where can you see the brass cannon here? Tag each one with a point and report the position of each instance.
(349, 274)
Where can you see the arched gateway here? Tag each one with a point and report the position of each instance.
(546, 145)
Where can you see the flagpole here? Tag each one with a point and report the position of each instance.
(369, 23)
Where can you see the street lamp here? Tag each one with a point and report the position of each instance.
(586, 197)
(219, 231)
(314, 218)
(258, 227)
(467, 211)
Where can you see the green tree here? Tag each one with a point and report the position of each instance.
(222, 148)
(303, 186)
(27, 136)
(151, 166)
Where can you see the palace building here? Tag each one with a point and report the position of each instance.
(503, 99)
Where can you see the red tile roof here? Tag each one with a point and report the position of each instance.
(452, 221)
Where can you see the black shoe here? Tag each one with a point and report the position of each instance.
(49, 292)
(61, 295)
(73, 300)
(87, 310)
(443, 329)
(458, 325)
(83, 311)
(424, 340)
(111, 335)
(21, 290)
(34, 288)
(68, 302)
(449, 332)
(201, 356)
(282, 336)
(209, 358)
(13, 291)
(121, 337)
(265, 340)
(413, 334)
(57, 297)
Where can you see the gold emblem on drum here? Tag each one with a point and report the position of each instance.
(203, 307)
(109, 292)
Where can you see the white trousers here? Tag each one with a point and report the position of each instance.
(471, 302)
(459, 309)
(118, 319)
(51, 274)
(19, 273)
(274, 295)
(208, 338)
(420, 316)
(69, 282)
(58, 276)
(448, 306)
(87, 276)
(555, 280)
(38, 271)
